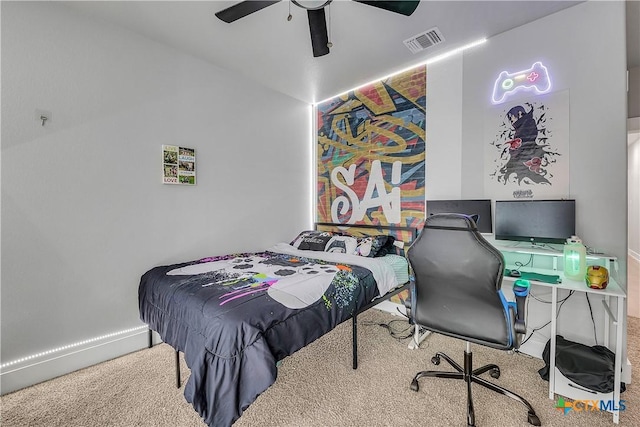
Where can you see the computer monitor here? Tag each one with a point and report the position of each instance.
(544, 221)
(481, 208)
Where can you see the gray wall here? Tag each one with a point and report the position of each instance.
(633, 129)
(597, 122)
(633, 140)
(633, 100)
(84, 212)
(444, 130)
(597, 130)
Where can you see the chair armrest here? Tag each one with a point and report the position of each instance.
(520, 291)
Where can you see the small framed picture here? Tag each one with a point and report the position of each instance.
(178, 165)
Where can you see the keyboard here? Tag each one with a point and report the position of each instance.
(528, 275)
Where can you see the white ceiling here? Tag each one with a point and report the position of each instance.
(265, 47)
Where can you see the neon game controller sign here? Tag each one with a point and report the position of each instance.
(535, 80)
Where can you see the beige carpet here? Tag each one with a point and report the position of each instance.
(316, 387)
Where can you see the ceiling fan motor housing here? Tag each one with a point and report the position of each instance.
(311, 4)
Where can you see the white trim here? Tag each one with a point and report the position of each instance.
(70, 346)
(313, 167)
(391, 307)
(30, 371)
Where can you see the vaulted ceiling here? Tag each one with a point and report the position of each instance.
(275, 52)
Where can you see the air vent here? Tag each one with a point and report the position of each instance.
(424, 40)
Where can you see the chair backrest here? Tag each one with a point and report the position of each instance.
(458, 276)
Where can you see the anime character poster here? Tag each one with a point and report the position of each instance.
(527, 148)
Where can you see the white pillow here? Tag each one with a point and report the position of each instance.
(341, 244)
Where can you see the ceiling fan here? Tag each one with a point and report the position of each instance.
(315, 12)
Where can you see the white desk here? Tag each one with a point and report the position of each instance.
(557, 382)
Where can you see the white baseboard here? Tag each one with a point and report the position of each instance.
(391, 307)
(37, 370)
(534, 346)
(626, 372)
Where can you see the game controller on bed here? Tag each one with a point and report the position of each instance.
(536, 78)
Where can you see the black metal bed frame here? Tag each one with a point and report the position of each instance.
(354, 319)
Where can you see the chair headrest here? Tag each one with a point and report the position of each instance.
(451, 221)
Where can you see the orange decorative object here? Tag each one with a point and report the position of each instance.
(597, 277)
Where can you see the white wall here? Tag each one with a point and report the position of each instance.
(633, 139)
(633, 101)
(594, 73)
(444, 130)
(597, 122)
(84, 213)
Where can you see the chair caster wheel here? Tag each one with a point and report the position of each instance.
(495, 373)
(414, 385)
(435, 360)
(533, 419)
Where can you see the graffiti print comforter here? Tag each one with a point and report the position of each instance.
(235, 316)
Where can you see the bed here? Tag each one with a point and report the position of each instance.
(236, 316)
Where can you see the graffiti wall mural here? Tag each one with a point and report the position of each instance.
(371, 153)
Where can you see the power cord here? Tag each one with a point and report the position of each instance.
(534, 330)
(519, 265)
(595, 336)
(562, 302)
(546, 246)
(399, 333)
(547, 302)
(401, 313)
(539, 246)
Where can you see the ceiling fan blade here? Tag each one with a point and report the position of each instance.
(402, 7)
(242, 9)
(318, 29)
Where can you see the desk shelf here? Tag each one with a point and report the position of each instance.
(613, 289)
(558, 383)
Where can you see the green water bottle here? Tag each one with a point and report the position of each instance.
(575, 259)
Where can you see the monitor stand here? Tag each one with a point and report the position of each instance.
(533, 247)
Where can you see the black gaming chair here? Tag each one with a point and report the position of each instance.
(458, 275)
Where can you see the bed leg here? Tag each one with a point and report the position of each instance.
(178, 369)
(355, 341)
(150, 338)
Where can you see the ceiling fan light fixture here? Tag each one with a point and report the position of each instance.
(311, 4)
